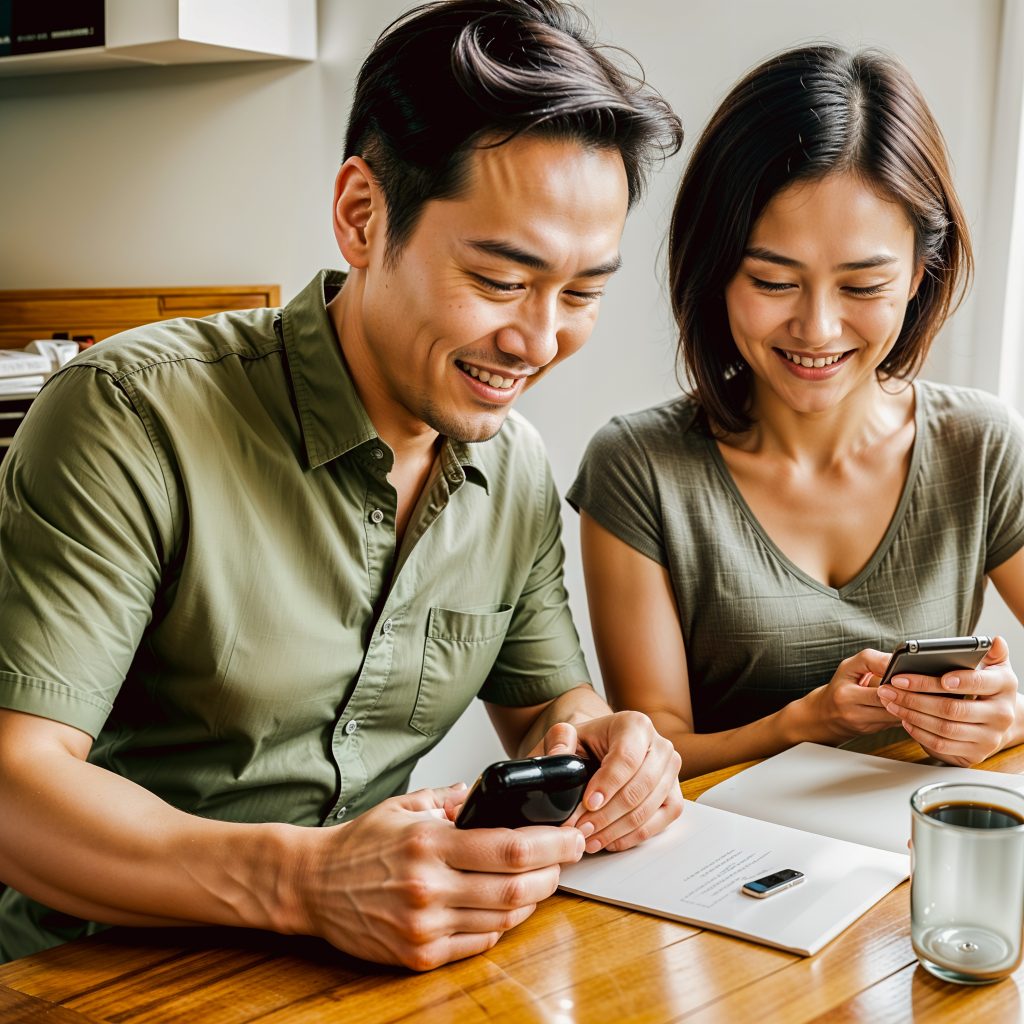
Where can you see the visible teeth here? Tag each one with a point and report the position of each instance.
(488, 378)
(808, 361)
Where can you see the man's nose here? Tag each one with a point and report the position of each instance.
(532, 335)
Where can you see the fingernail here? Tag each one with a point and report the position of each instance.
(580, 847)
(885, 694)
(593, 846)
(901, 681)
(951, 682)
(595, 801)
(586, 829)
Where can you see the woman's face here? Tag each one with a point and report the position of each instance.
(819, 299)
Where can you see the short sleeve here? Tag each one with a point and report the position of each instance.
(84, 527)
(1005, 528)
(615, 486)
(541, 656)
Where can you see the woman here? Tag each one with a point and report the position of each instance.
(807, 505)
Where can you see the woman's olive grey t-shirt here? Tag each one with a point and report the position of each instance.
(759, 632)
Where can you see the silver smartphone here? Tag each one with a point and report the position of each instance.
(769, 885)
(937, 657)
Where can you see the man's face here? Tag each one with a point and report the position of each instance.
(491, 290)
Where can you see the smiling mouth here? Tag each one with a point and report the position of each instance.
(816, 362)
(492, 380)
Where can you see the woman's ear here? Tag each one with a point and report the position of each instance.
(358, 212)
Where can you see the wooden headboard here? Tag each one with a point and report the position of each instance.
(101, 312)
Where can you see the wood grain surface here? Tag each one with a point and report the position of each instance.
(573, 961)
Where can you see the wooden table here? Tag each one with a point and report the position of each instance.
(573, 961)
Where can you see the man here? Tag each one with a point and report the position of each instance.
(253, 567)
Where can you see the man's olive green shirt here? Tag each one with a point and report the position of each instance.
(198, 567)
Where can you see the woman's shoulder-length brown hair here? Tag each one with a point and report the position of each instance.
(800, 116)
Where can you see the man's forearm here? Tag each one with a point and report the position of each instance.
(97, 846)
(574, 706)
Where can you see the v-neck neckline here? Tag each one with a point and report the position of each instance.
(887, 538)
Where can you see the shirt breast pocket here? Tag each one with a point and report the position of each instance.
(459, 652)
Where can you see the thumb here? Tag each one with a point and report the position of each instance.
(433, 799)
(560, 739)
(997, 653)
(873, 662)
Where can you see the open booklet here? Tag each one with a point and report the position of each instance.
(841, 818)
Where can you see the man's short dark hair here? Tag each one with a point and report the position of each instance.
(449, 76)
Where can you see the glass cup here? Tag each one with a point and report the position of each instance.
(967, 880)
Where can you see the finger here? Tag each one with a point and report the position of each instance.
(561, 738)
(511, 850)
(942, 746)
(658, 771)
(952, 719)
(998, 653)
(432, 799)
(466, 921)
(630, 741)
(990, 682)
(866, 662)
(448, 948)
(658, 822)
(471, 890)
(631, 809)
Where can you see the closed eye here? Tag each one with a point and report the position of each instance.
(771, 286)
(586, 296)
(502, 287)
(873, 289)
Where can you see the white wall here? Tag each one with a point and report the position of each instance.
(223, 174)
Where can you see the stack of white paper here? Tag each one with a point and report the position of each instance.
(841, 818)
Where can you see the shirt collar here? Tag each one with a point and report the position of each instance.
(331, 414)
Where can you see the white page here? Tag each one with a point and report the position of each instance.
(861, 798)
(693, 871)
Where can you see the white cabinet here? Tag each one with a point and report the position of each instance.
(142, 32)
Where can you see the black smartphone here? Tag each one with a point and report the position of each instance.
(531, 791)
(936, 657)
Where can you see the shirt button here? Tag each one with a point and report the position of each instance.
(340, 812)
(387, 627)
(377, 453)
(377, 516)
(350, 726)
(454, 478)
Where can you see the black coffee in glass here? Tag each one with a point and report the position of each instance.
(974, 815)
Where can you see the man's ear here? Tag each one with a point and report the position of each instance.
(359, 222)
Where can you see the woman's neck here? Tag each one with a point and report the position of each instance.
(819, 440)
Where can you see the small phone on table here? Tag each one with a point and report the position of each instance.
(769, 885)
(529, 791)
(937, 657)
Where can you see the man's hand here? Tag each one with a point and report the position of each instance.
(401, 885)
(635, 792)
(959, 732)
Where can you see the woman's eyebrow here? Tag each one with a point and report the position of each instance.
(757, 252)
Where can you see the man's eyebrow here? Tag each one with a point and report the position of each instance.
(769, 256)
(508, 251)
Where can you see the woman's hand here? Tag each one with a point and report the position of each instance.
(848, 705)
(959, 732)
